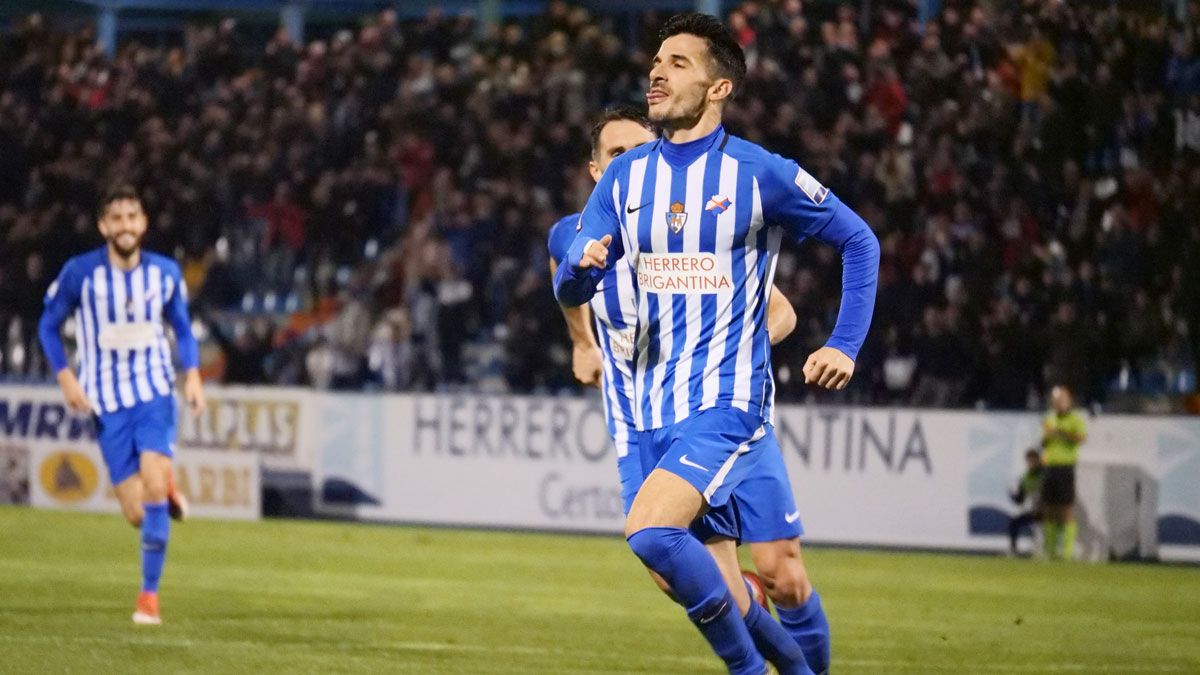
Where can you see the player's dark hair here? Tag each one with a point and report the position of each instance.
(616, 113)
(1033, 453)
(726, 53)
(116, 193)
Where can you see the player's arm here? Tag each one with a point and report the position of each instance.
(586, 359)
(189, 350)
(596, 248)
(805, 208)
(61, 299)
(781, 316)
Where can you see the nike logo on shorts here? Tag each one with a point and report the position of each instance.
(792, 517)
(687, 462)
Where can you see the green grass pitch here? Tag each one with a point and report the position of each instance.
(292, 597)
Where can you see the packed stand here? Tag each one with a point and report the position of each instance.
(371, 210)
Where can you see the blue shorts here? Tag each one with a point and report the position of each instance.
(753, 501)
(125, 434)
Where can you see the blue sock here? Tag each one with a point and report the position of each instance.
(697, 582)
(774, 643)
(156, 528)
(810, 629)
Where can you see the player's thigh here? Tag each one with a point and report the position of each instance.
(664, 500)
(154, 438)
(713, 451)
(114, 435)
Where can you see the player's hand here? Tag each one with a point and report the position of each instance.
(586, 363)
(73, 392)
(193, 392)
(596, 253)
(829, 368)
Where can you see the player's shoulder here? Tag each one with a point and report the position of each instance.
(564, 224)
(620, 164)
(166, 263)
(757, 157)
(82, 265)
(561, 234)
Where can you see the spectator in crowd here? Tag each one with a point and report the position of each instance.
(1031, 170)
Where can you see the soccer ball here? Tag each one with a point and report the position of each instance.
(758, 592)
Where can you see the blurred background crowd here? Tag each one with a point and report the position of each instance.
(368, 209)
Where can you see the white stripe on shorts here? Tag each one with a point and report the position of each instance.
(728, 465)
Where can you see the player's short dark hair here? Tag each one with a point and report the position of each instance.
(726, 53)
(116, 193)
(1033, 453)
(616, 113)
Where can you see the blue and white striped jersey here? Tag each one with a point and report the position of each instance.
(700, 224)
(615, 311)
(123, 353)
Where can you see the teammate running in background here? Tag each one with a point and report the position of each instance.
(766, 516)
(120, 296)
(1028, 496)
(1063, 430)
(699, 215)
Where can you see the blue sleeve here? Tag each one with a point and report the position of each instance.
(181, 322)
(805, 208)
(573, 286)
(562, 234)
(61, 299)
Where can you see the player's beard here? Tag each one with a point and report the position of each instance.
(125, 252)
(683, 115)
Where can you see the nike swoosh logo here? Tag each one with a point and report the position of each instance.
(630, 209)
(792, 517)
(687, 462)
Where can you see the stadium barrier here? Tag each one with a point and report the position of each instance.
(863, 476)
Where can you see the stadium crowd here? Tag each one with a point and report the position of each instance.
(370, 210)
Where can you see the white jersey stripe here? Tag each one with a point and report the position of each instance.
(666, 314)
(141, 379)
(100, 294)
(726, 224)
(694, 207)
(753, 305)
(119, 311)
(159, 366)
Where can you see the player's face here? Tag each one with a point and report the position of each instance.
(615, 138)
(123, 226)
(682, 84)
(1060, 398)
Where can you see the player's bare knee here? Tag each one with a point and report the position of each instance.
(133, 513)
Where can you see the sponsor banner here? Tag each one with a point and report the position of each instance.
(469, 460)
(903, 477)
(267, 422)
(217, 484)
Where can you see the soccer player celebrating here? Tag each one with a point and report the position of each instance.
(1063, 431)
(766, 516)
(120, 295)
(698, 216)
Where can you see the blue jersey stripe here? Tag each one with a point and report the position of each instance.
(650, 326)
(708, 303)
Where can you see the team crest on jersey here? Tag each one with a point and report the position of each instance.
(676, 217)
(717, 204)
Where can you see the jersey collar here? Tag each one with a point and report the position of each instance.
(679, 155)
